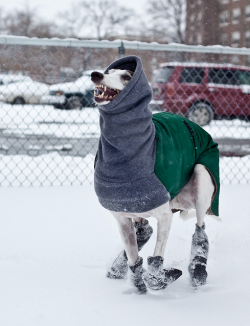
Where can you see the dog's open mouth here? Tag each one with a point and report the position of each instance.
(104, 93)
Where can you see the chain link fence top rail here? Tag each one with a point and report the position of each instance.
(49, 125)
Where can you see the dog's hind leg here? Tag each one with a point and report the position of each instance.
(203, 189)
(119, 267)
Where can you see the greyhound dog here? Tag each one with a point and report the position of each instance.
(132, 202)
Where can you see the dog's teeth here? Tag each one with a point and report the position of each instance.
(105, 88)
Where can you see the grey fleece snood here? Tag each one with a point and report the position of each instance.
(124, 172)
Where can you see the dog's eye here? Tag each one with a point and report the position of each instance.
(126, 77)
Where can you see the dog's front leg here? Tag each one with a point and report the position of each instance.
(156, 277)
(143, 230)
(128, 235)
(135, 262)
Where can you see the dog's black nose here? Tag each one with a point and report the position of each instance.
(96, 77)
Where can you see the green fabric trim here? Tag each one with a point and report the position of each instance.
(180, 145)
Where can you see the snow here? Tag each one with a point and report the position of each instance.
(54, 169)
(57, 242)
(46, 120)
(235, 129)
(235, 170)
(46, 170)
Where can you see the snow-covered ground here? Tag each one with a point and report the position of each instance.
(54, 169)
(46, 170)
(237, 129)
(46, 120)
(56, 244)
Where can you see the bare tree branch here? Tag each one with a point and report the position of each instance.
(105, 17)
(169, 15)
(71, 21)
(25, 22)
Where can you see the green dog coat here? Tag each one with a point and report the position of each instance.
(180, 145)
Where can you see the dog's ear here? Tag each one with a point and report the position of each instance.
(131, 66)
(130, 72)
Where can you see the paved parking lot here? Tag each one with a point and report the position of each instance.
(34, 145)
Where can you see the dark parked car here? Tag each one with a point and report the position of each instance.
(202, 91)
(72, 95)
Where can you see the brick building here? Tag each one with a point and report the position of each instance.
(225, 22)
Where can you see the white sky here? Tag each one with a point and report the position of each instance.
(49, 8)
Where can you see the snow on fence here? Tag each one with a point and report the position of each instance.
(49, 123)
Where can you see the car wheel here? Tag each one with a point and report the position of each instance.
(19, 100)
(74, 103)
(201, 113)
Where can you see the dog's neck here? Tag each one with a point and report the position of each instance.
(124, 172)
(127, 143)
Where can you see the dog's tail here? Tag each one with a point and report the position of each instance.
(186, 215)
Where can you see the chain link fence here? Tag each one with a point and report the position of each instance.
(49, 125)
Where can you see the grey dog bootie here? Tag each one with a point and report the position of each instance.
(158, 278)
(143, 233)
(119, 267)
(199, 254)
(136, 276)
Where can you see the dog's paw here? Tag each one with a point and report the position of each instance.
(197, 271)
(116, 274)
(162, 279)
(119, 268)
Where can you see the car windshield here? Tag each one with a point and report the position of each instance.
(163, 75)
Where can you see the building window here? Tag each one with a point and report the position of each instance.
(235, 39)
(224, 17)
(224, 39)
(247, 39)
(199, 16)
(236, 15)
(192, 18)
(247, 13)
(199, 39)
(192, 3)
(224, 1)
(235, 60)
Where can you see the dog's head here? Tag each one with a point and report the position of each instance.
(110, 84)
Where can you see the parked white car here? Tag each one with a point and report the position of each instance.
(73, 95)
(6, 79)
(24, 91)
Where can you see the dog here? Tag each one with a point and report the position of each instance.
(131, 200)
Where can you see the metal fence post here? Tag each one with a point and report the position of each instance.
(121, 50)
